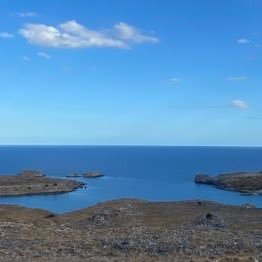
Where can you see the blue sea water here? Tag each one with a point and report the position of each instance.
(152, 173)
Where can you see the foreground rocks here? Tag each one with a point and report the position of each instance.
(34, 182)
(245, 182)
(133, 230)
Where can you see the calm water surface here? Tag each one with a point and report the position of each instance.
(153, 173)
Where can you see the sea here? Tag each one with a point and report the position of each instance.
(156, 173)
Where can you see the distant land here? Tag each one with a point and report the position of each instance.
(33, 183)
(244, 182)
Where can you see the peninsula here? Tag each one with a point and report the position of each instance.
(34, 182)
(244, 182)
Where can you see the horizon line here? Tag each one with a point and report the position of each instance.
(124, 145)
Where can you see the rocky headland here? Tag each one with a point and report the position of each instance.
(34, 182)
(133, 230)
(244, 182)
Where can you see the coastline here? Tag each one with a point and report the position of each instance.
(128, 229)
(144, 166)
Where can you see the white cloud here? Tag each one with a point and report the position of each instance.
(243, 41)
(26, 14)
(44, 55)
(130, 33)
(74, 35)
(240, 104)
(174, 80)
(237, 78)
(6, 35)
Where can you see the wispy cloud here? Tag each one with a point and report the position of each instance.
(44, 55)
(74, 35)
(6, 35)
(243, 41)
(130, 33)
(26, 14)
(174, 80)
(246, 41)
(237, 78)
(240, 104)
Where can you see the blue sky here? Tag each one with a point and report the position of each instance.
(109, 72)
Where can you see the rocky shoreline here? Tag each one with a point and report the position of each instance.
(244, 182)
(34, 182)
(133, 230)
(129, 229)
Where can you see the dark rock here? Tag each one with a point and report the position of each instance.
(123, 245)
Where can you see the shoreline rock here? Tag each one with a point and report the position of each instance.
(35, 183)
(243, 182)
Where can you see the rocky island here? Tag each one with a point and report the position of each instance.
(92, 174)
(89, 174)
(133, 230)
(34, 182)
(244, 182)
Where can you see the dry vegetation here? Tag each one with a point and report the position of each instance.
(132, 230)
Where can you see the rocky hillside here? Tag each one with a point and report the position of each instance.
(133, 230)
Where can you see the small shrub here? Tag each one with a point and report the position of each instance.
(50, 216)
(209, 215)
